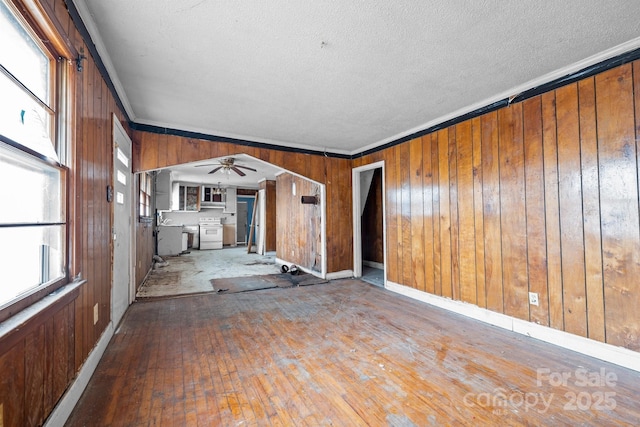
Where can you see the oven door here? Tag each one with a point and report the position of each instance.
(210, 236)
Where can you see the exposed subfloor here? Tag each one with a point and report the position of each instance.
(193, 272)
(341, 353)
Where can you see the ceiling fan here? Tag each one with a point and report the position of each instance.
(227, 165)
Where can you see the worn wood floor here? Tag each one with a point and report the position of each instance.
(344, 353)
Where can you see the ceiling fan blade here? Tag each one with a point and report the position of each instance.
(208, 164)
(238, 171)
(216, 169)
(245, 167)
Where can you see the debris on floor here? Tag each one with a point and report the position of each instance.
(158, 261)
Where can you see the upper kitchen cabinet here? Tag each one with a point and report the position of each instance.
(163, 190)
(231, 201)
(219, 198)
(188, 198)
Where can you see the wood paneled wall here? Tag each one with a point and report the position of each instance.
(271, 226)
(299, 225)
(37, 363)
(145, 249)
(40, 359)
(156, 151)
(540, 196)
(372, 222)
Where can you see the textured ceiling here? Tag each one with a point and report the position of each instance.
(339, 75)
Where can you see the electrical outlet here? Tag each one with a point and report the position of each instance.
(95, 314)
(533, 298)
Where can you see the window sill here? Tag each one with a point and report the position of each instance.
(18, 326)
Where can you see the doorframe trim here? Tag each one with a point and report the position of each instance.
(357, 221)
(117, 127)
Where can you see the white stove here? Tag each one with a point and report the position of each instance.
(210, 233)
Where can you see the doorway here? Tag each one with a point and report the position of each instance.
(121, 196)
(242, 222)
(369, 231)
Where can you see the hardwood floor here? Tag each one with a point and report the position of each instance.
(341, 353)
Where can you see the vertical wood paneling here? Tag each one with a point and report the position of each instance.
(12, 386)
(297, 223)
(345, 239)
(445, 213)
(417, 215)
(437, 247)
(392, 215)
(271, 225)
(429, 217)
(571, 226)
(399, 215)
(34, 377)
(466, 213)
(552, 210)
(491, 207)
(619, 205)
(534, 183)
(513, 212)
(481, 292)
(405, 208)
(454, 222)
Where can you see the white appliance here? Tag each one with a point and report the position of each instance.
(210, 233)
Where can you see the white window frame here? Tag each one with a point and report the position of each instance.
(34, 20)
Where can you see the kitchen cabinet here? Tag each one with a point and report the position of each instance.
(185, 197)
(229, 234)
(169, 240)
(231, 200)
(189, 198)
(163, 190)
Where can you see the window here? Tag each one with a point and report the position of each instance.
(145, 197)
(33, 182)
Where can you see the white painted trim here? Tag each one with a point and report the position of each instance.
(607, 352)
(549, 77)
(88, 21)
(117, 128)
(323, 229)
(344, 274)
(373, 264)
(357, 221)
(70, 398)
(306, 270)
(18, 320)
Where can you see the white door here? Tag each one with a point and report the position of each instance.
(122, 194)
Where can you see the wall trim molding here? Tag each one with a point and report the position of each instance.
(306, 270)
(373, 264)
(599, 350)
(618, 55)
(69, 399)
(343, 274)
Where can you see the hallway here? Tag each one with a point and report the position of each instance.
(339, 353)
